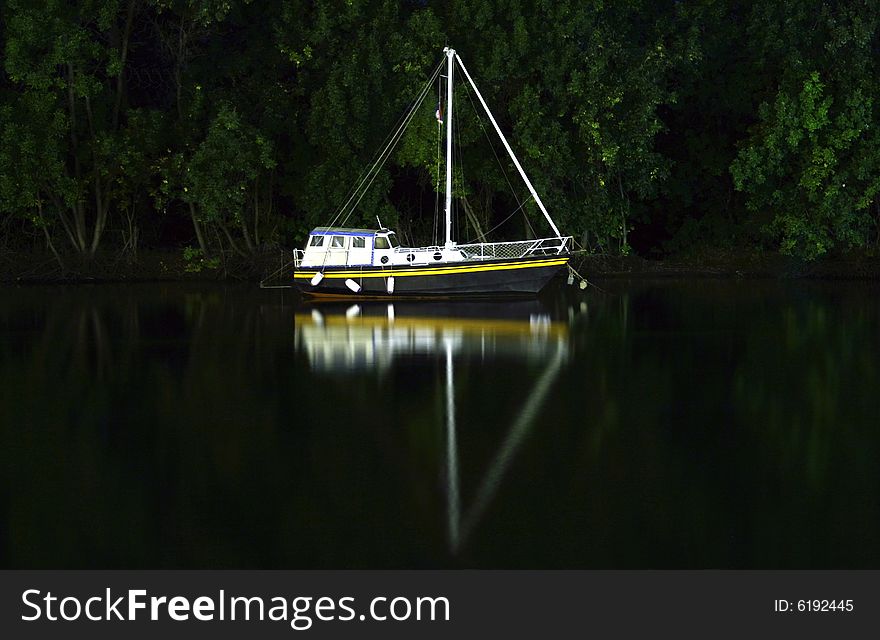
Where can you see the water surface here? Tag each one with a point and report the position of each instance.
(671, 424)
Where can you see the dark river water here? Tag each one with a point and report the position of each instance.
(707, 424)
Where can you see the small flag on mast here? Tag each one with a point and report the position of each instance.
(439, 113)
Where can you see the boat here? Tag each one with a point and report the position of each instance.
(358, 263)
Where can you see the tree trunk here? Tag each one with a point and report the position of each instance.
(257, 210)
(65, 222)
(179, 62)
(79, 218)
(100, 213)
(624, 213)
(45, 229)
(232, 242)
(200, 236)
(245, 233)
(120, 79)
(178, 67)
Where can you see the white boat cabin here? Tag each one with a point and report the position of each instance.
(336, 246)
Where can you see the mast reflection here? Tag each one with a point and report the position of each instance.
(369, 338)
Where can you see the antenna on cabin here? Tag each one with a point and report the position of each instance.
(380, 223)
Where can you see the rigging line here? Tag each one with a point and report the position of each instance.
(500, 165)
(497, 226)
(366, 172)
(526, 218)
(489, 140)
(360, 179)
(275, 273)
(572, 270)
(401, 123)
(390, 147)
(519, 431)
(379, 166)
(522, 172)
(385, 154)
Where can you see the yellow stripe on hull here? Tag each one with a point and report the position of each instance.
(507, 266)
(467, 325)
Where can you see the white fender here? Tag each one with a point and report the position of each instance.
(390, 285)
(316, 279)
(354, 286)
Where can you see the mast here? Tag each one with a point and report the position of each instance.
(516, 163)
(450, 55)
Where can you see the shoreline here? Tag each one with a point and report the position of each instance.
(168, 265)
(728, 264)
(151, 265)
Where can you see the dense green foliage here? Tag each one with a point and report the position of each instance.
(237, 125)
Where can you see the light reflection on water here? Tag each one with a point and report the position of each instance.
(668, 424)
(368, 338)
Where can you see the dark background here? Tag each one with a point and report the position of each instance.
(233, 126)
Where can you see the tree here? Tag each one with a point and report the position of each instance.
(33, 145)
(223, 176)
(64, 56)
(810, 166)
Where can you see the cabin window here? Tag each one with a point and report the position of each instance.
(382, 243)
(393, 241)
(358, 242)
(337, 242)
(317, 241)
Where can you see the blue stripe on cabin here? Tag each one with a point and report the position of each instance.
(342, 233)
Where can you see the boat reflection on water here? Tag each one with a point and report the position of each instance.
(368, 337)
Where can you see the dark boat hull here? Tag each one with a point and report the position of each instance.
(486, 278)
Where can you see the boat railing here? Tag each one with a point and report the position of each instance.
(489, 250)
(519, 249)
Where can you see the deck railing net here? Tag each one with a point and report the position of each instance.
(512, 250)
(490, 250)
